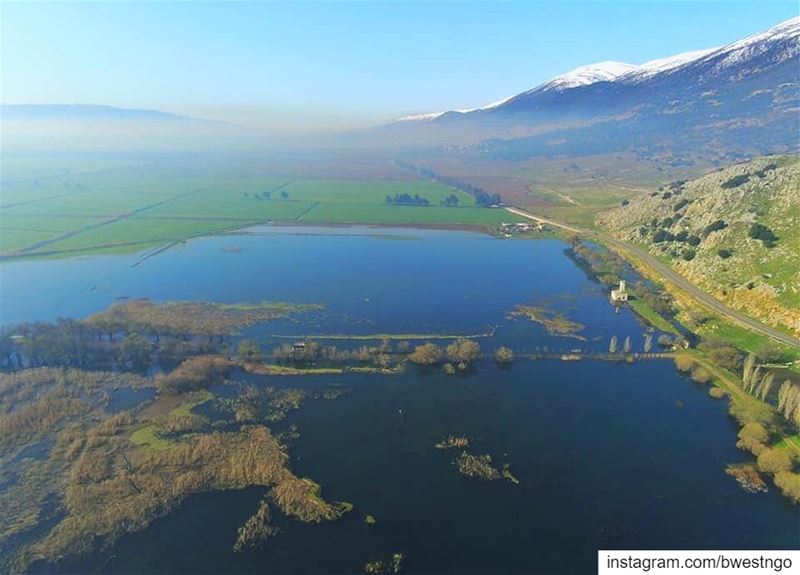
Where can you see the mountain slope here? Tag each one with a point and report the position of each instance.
(704, 228)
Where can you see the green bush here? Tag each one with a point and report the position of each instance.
(736, 181)
(714, 226)
(763, 233)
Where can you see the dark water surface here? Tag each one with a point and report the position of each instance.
(608, 455)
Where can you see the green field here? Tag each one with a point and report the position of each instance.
(132, 208)
(385, 214)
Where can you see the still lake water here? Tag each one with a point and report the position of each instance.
(608, 455)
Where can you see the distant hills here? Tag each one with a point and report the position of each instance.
(745, 95)
(85, 112)
(78, 127)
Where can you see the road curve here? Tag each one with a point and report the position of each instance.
(673, 277)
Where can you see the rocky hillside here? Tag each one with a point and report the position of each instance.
(734, 233)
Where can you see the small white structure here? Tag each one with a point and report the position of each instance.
(619, 295)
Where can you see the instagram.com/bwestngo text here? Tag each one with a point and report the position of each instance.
(705, 562)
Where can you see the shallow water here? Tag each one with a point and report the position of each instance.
(608, 455)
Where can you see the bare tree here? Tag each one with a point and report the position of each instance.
(648, 342)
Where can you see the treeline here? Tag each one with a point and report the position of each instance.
(459, 355)
(407, 200)
(482, 197)
(608, 268)
(133, 335)
(86, 345)
(314, 353)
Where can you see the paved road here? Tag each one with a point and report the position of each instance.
(675, 278)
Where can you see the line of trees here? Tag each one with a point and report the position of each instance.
(460, 355)
(482, 197)
(407, 200)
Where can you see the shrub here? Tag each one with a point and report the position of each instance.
(503, 355)
(736, 181)
(625, 202)
(662, 236)
(701, 374)
(714, 226)
(716, 392)
(195, 373)
(680, 205)
(763, 233)
(722, 354)
(426, 354)
(684, 363)
(249, 351)
(693, 240)
(688, 254)
(789, 484)
(463, 352)
(724, 253)
(771, 353)
(775, 460)
(753, 438)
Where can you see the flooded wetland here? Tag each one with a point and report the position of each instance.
(371, 454)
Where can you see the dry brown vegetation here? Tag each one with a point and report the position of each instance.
(451, 442)
(789, 484)
(753, 437)
(111, 488)
(196, 318)
(554, 323)
(463, 352)
(389, 566)
(105, 484)
(301, 498)
(194, 373)
(478, 466)
(503, 355)
(426, 354)
(256, 530)
(748, 477)
(775, 460)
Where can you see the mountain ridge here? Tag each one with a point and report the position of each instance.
(625, 73)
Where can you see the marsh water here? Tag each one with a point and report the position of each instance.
(608, 455)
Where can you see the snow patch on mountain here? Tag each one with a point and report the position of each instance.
(586, 75)
(434, 115)
(654, 67)
(420, 117)
(757, 44)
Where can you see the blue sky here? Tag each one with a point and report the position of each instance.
(335, 63)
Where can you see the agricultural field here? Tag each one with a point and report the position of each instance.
(335, 212)
(132, 208)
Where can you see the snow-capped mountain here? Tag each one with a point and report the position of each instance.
(773, 46)
(746, 93)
